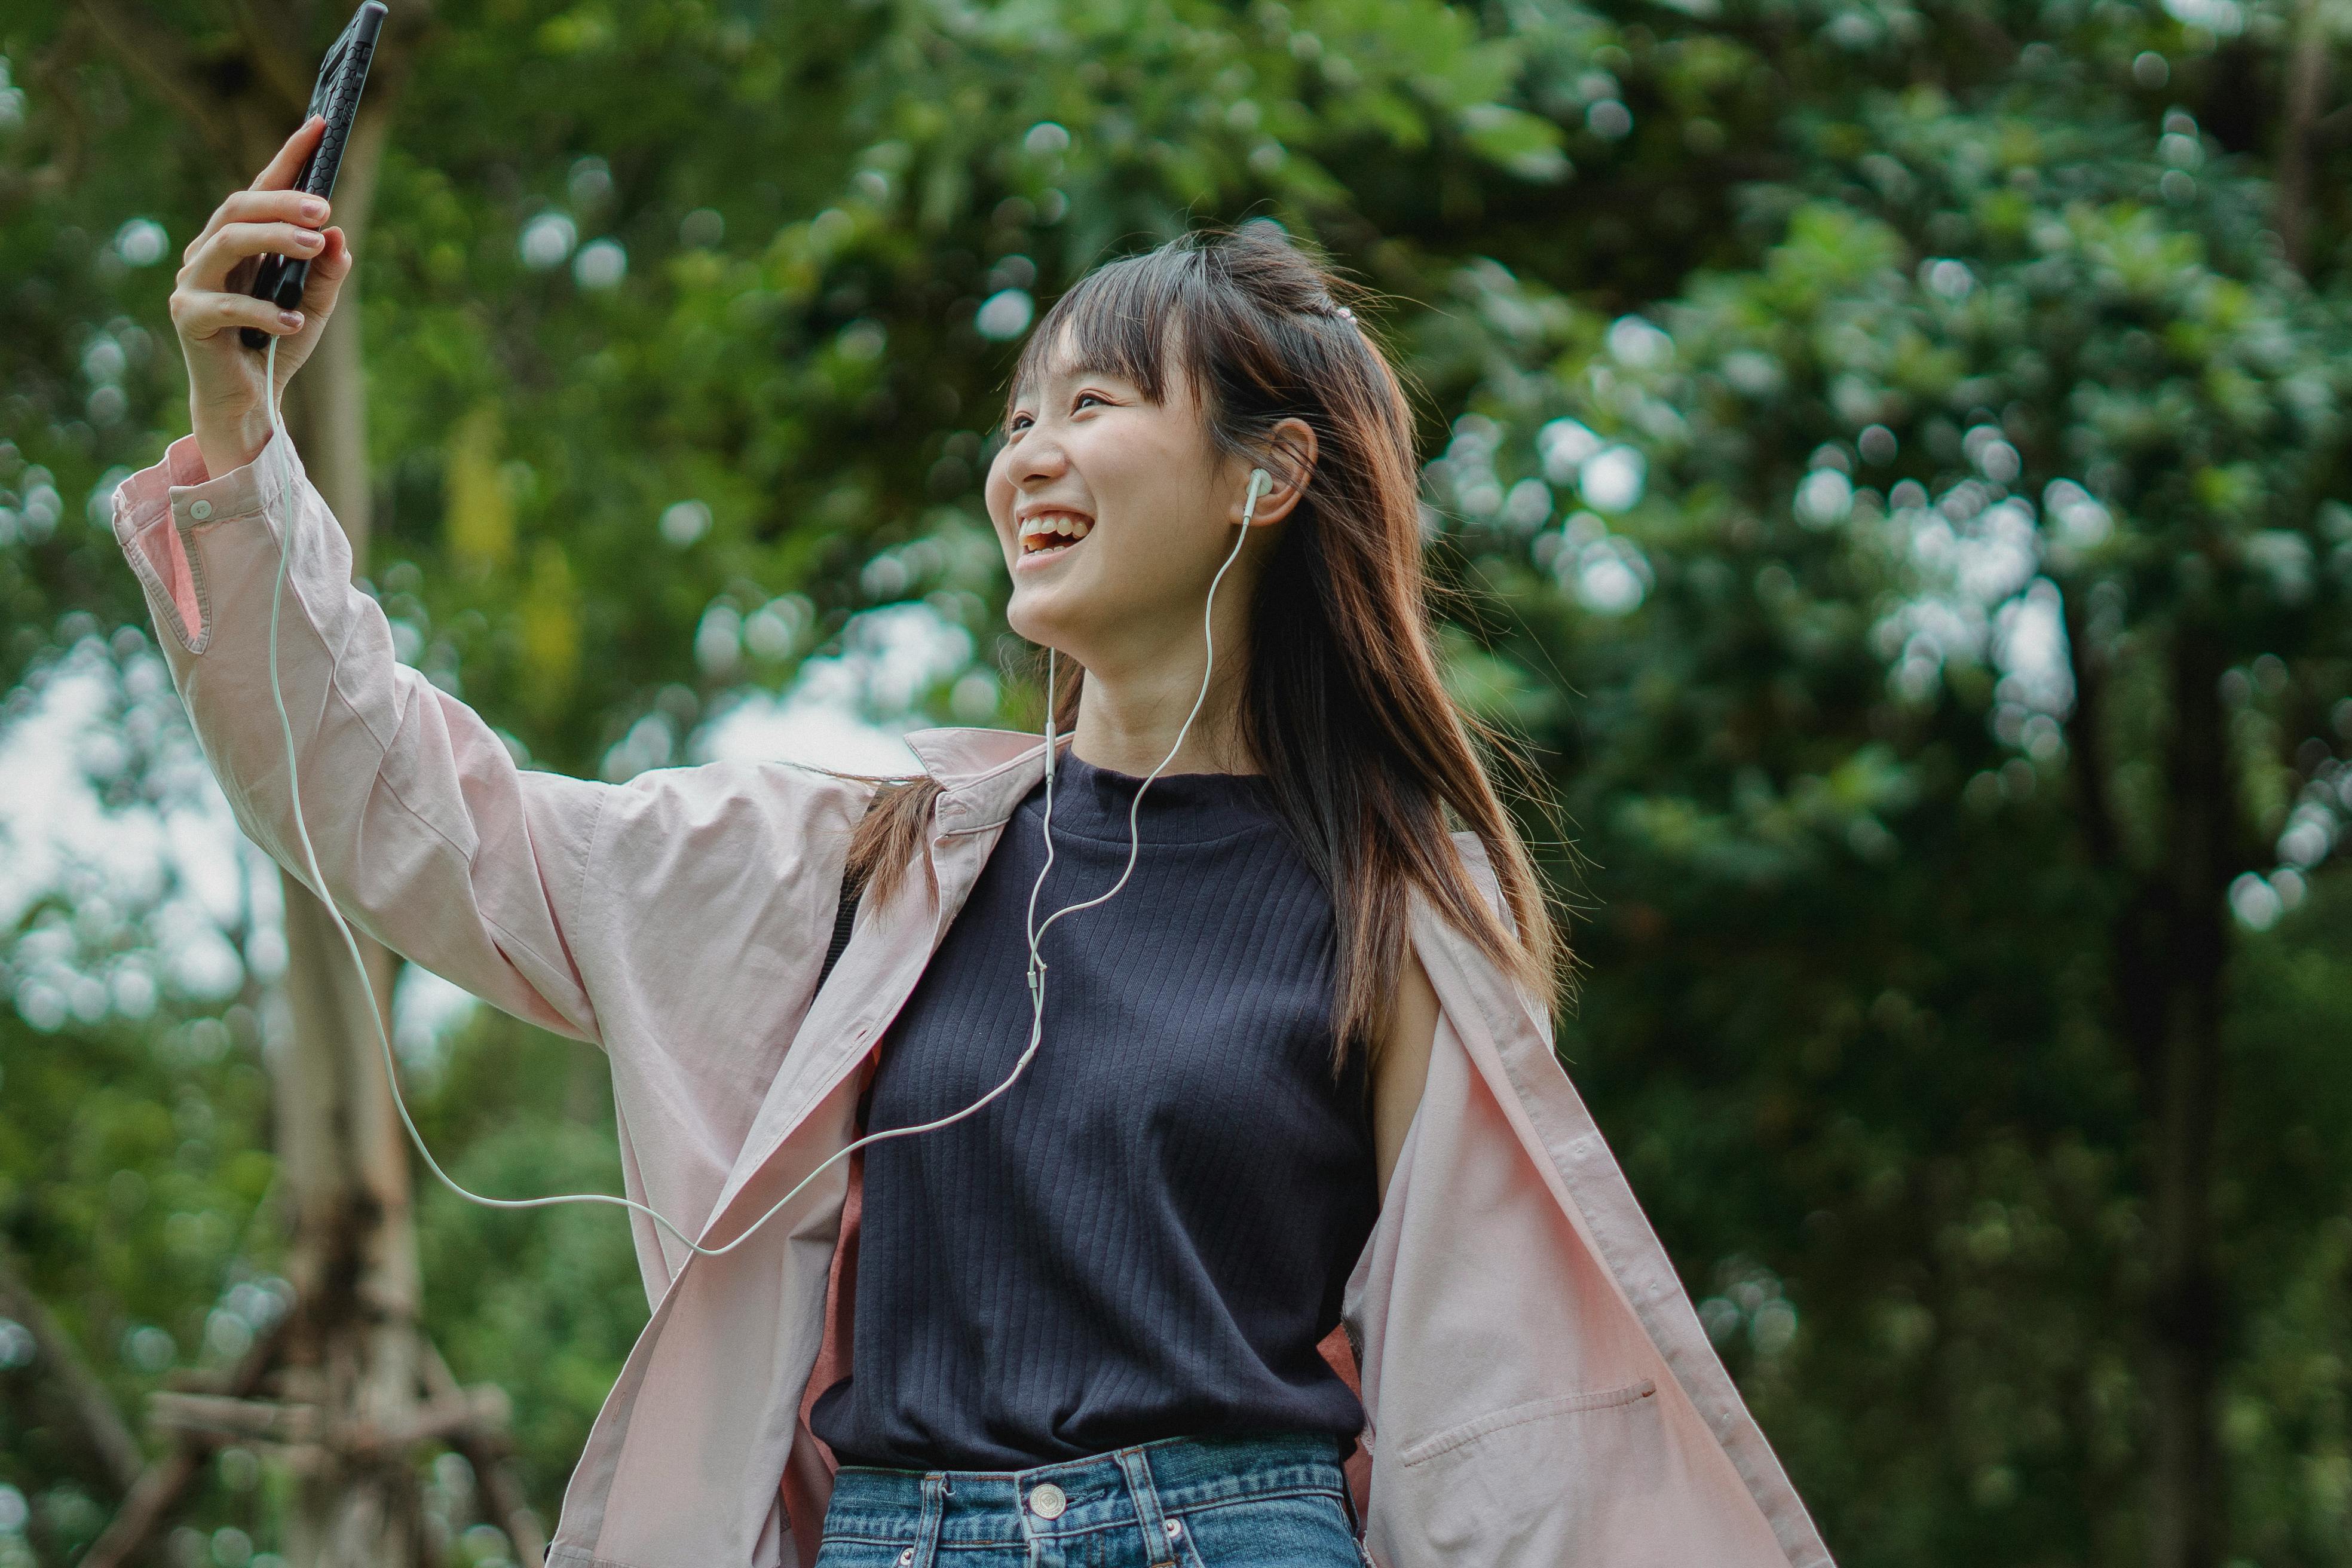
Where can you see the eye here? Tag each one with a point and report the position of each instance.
(1013, 425)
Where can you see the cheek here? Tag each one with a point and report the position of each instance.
(996, 491)
(995, 482)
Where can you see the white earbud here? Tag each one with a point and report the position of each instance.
(1260, 483)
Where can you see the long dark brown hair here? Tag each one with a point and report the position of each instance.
(1343, 705)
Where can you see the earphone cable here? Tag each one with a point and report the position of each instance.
(375, 1012)
(1036, 933)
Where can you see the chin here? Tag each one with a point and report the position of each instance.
(1043, 628)
(1034, 617)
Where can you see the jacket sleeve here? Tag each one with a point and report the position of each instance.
(428, 836)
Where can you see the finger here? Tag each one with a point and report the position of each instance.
(199, 315)
(325, 278)
(232, 243)
(280, 172)
(333, 261)
(262, 207)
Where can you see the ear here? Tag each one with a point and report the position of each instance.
(1290, 464)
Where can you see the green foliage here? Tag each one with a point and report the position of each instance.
(1841, 419)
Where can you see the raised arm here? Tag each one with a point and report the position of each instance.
(429, 836)
(430, 839)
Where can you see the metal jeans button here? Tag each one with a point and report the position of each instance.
(1047, 1501)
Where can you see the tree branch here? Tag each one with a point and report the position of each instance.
(151, 1500)
(54, 69)
(485, 1446)
(79, 1388)
(288, 71)
(152, 49)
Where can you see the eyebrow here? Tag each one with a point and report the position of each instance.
(1076, 371)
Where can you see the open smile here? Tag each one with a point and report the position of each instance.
(1045, 534)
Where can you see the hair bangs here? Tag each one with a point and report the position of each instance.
(1124, 318)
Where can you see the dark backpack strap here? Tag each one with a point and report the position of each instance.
(852, 888)
(845, 915)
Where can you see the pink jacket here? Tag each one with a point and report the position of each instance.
(1540, 1390)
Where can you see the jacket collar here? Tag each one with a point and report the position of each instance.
(956, 755)
(982, 773)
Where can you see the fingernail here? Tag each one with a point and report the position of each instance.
(313, 207)
(307, 239)
(291, 318)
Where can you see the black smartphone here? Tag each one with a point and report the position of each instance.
(341, 77)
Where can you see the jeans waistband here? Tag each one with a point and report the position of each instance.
(1103, 1491)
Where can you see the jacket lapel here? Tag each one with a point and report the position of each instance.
(1508, 1042)
(983, 775)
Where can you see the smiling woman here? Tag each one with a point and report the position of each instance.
(1299, 1164)
(1237, 1111)
(1136, 411)
(1196, 1119)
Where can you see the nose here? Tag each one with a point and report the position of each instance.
(1021, 470)
(1038, 459)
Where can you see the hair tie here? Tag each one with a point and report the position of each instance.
(1345, 313)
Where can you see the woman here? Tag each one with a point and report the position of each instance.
(1296, 1182)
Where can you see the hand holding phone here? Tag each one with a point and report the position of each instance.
(219, 304)
(343, 77)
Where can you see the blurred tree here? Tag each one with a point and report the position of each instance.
(1969, 557)
(351, 1355)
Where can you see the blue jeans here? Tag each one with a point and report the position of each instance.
(1279, 1500)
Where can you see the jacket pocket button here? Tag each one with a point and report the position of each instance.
(200, 510)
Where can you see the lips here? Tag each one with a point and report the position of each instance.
(1049, 530)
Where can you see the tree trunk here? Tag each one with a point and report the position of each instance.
(2183, 1078)
(352, 1262)
(353, 1354)
(344, 1156)
(2306, 87)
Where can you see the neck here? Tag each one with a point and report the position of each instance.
(1139, 691)
(1128, 717)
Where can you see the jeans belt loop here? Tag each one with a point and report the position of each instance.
(926, 1533)
(1160, 1550)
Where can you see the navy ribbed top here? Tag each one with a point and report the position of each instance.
(1148, 1234)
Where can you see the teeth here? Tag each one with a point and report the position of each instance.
(1054, 525)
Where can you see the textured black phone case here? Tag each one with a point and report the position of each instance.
(336, 95)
